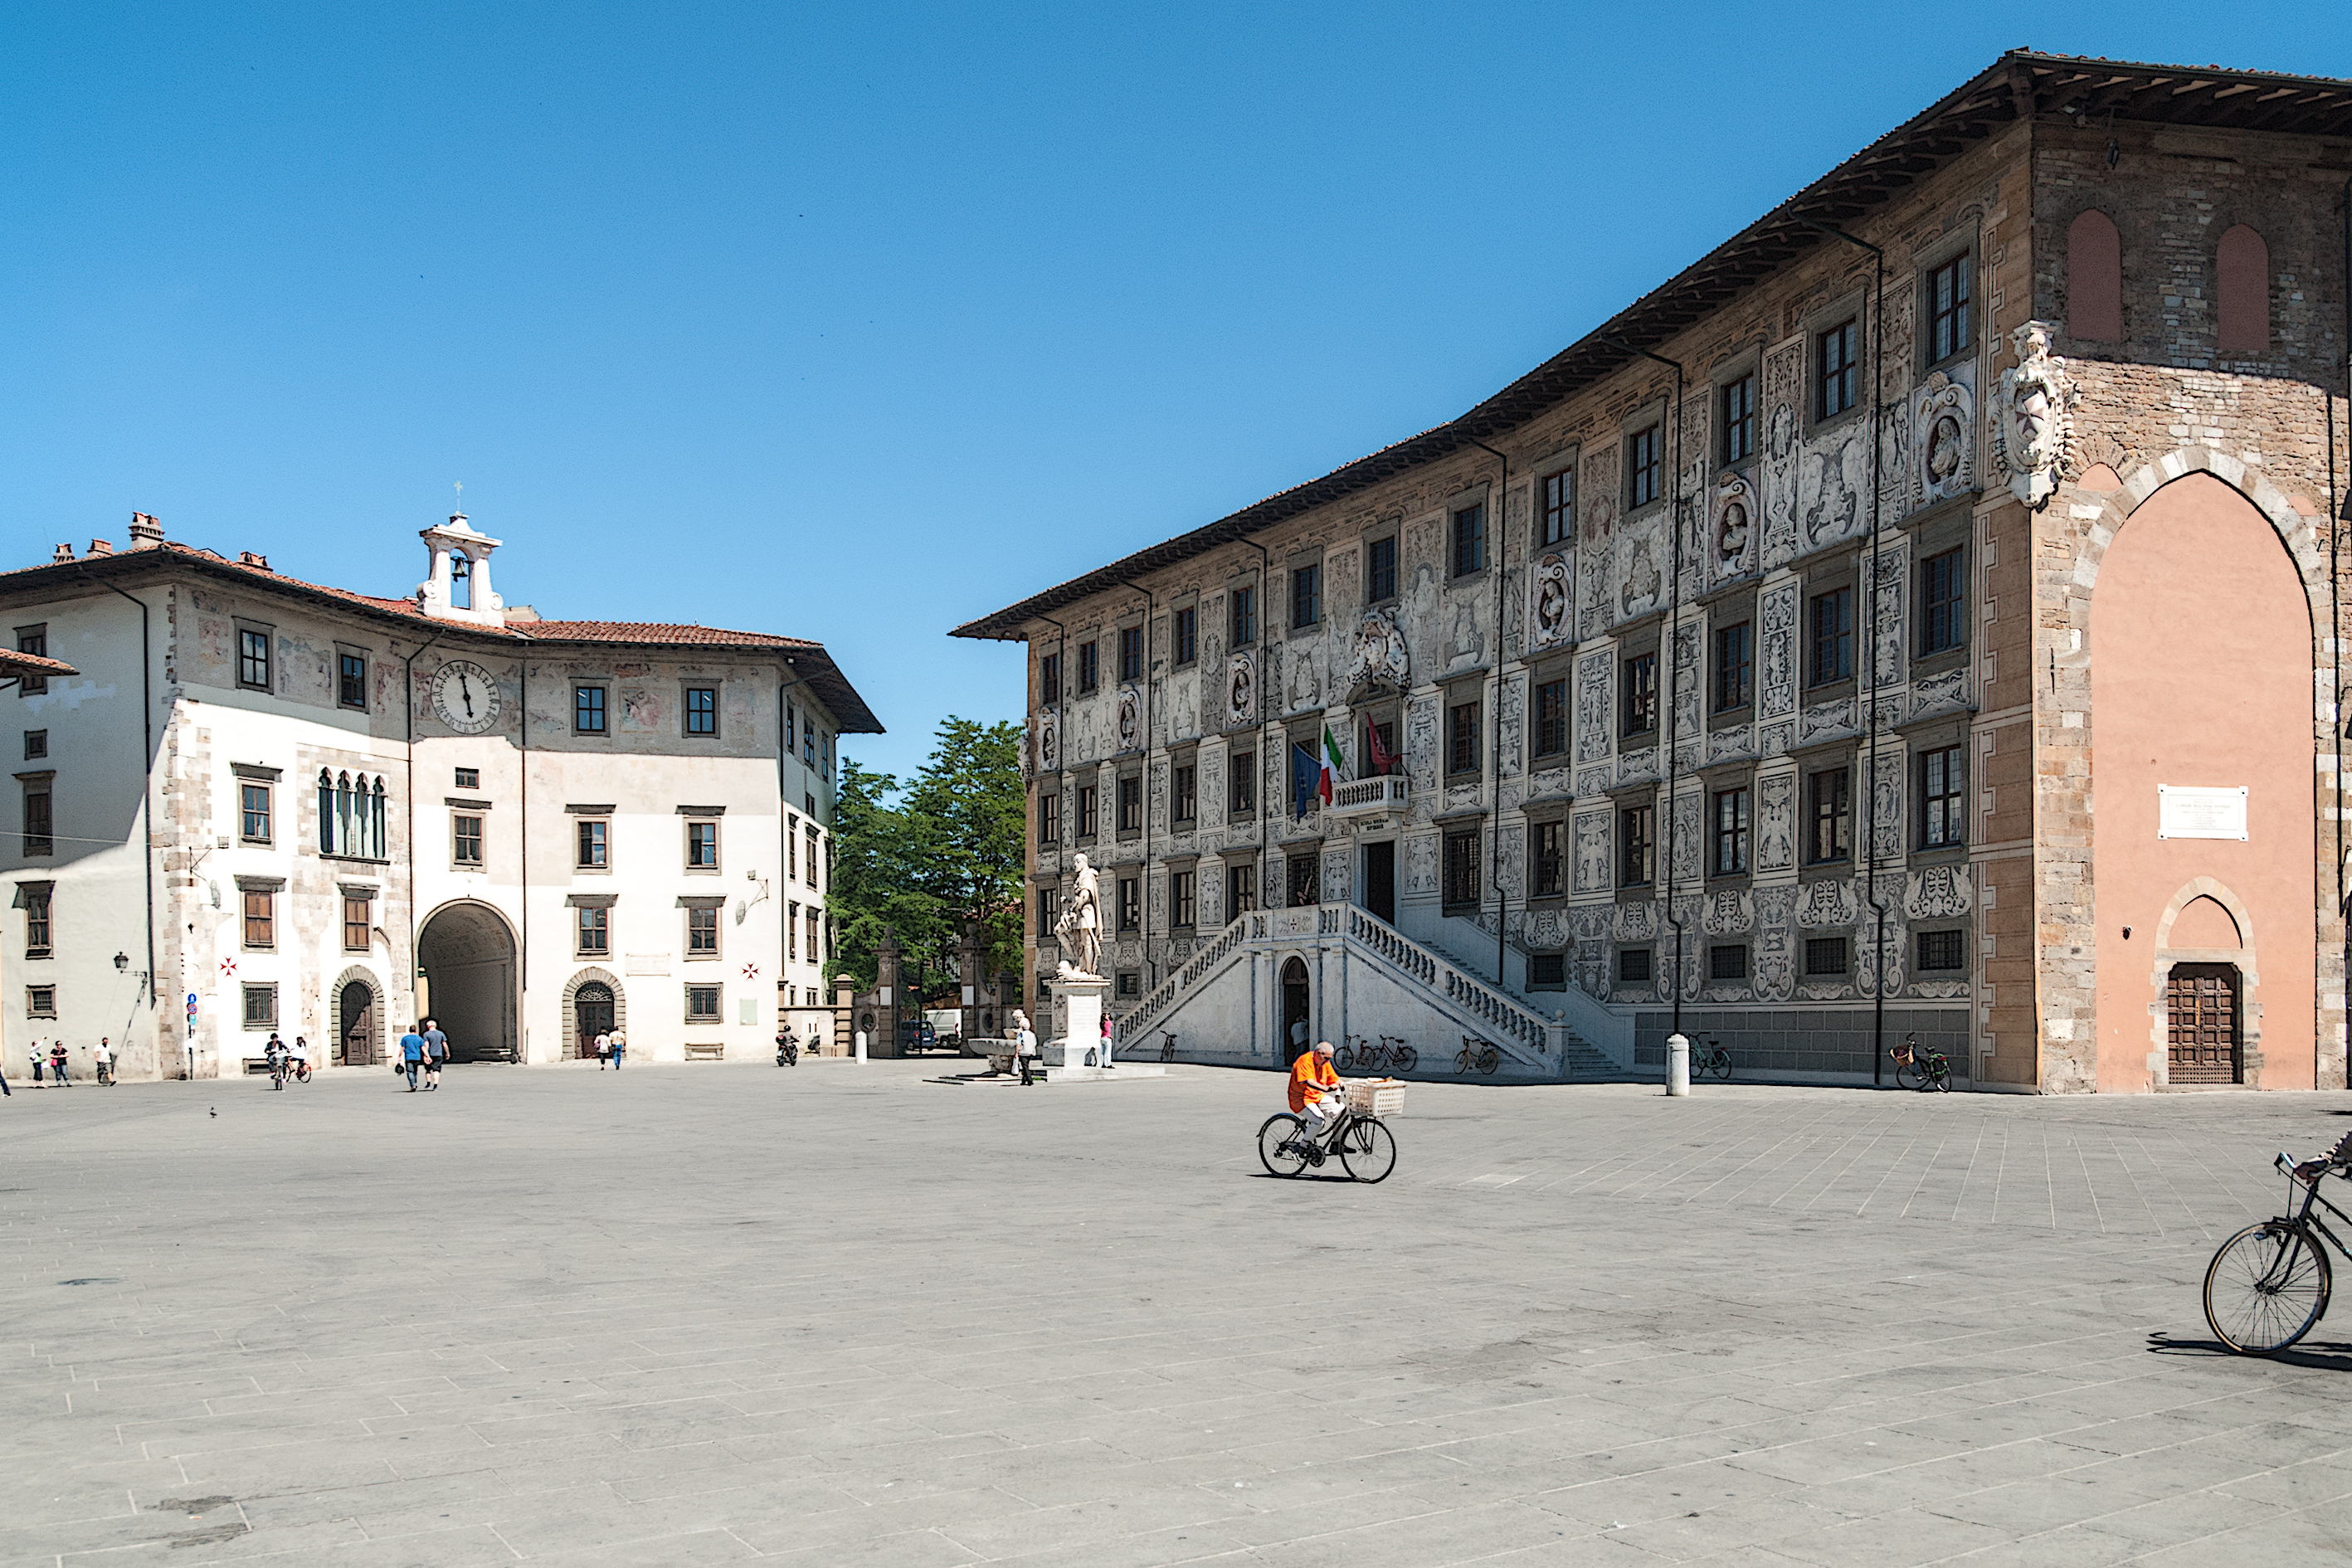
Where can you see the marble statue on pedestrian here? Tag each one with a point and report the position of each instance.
(1080, 927)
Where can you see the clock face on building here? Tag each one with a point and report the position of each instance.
(465, 696)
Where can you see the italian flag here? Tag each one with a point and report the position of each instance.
(1334, 764)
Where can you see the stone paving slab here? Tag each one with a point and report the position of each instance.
(713, 1313)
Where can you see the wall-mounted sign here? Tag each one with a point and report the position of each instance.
(2189, 811)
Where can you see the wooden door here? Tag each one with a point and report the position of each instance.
(2201, 1024)
(358, 1009)
(592, 1010)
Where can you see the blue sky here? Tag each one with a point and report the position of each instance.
(855, 323)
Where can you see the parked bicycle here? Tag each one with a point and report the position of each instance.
(1919, 1066)
(1476, 1053)
(1708, 1056)
(1362, 1145)
(2270, 1283)
(1392, 1055)
(1167, 1047)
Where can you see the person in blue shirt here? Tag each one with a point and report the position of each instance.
(412, 1055)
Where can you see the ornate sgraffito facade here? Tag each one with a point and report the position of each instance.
(1791, 713)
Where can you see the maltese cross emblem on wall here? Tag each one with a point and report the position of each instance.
(228, 969)
(751, 972)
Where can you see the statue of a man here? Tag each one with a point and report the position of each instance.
(1080, 927)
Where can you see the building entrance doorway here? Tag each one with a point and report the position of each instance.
(1297, 1028)
(2201, 1024)
(591, 1008)
(469, 959)
(355, 1019)
(1380, 880)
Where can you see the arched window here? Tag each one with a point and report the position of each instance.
(375, 824)
(2094, 279)
(345, 841)
(326, 814)
(2242, 274)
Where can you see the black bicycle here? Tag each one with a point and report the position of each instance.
(1708, 1055)
(1919, 1066)
(1167, 1047)
(1392, 1055)
(1362, 1145)
(1476, 1053)
(2270, 1283)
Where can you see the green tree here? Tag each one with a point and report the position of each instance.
(920, 858)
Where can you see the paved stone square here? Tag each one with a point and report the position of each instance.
(704, 1313)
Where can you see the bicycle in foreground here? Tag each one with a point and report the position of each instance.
(1362, 1142)
(1392, 1055)
(1919, 1066)
(2269, 1284)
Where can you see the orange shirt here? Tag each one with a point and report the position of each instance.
(1310, 1078)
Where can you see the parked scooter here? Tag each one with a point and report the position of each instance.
(788, 1049)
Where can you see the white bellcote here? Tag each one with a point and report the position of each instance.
(459, 586)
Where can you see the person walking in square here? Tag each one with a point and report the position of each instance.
(104, 1056)
(1024, 1046)
(620, 1045)
(604, 1051)
(57, 1064)
(437, 1053)
(411, 1056)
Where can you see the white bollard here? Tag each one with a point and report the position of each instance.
(861, 1057)
(1678, 1064)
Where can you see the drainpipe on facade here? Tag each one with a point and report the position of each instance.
(147, 795)
(1143, 892)
(1869, 688)
(2338, 514)
(1495, 874)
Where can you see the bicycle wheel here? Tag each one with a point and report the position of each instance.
(1280, 1129)
(1462, 1062)
(1489, 1060)
(1344, 1059)
(1369, 1150)
(2266, 1287)
(1718, 1065)
(1910, 1076)
(1943, 1079)
(1405, 1058)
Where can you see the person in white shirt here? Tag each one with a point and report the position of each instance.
(104, 1056)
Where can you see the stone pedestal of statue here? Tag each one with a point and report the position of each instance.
(1067, 1059)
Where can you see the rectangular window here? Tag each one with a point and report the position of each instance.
(702, 933)
(1551, 718)
(470, 778)
(1087, 795)
(33, 640)
(1241, 887)
(595, 929)
(1089, 665)
(1637, 845)
(1241, 784)
(1049, 910)
(1306, 879)
(1184, 627)
(792, 933)
(1461, 869)
(40, 1001)
(1382, 733)
(1183, 899)
(702, 846)
(1634, 965)
(1462, 737)
(1942, 949)
(1830, 623)
(40, 836)
(1731, 823)
(809, 834)
(1306, 597)
(1639, 701)
(1641, 466)
(1130, 904)
(1735, 665)
(1940, 821)
(1829, 808)
(1942, 586)
(36, 744)
(1245, 617)
(1049, 686)
(1560, 507)
(260, 1006)
(465, 839)
(1379, 570)
(1469, 540)
(702, 1003)
(1130, 805)
(596, 845)
(809, 743)
(1837, 369)
(1130, 984)
(1547, 971)
(351, 680)
(356, 920)
(1549, 857)
(1735, 411)
(792, 719)
(253, 813)
(1825, 956)
(253, 658)
(261, 918)
(792, 849)
(588, 712)
(702, 710)
(1049, 817)
(1131, 653)
(36, 922)
(1950, 288)
(1185, 793)
(1728, 961)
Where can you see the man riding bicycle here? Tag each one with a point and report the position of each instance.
(1318, 1098)
(275, 1055)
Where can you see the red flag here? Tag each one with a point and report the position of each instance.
(1381, 762)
